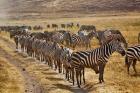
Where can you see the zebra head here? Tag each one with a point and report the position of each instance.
(118, 47)
(93, 34)
(12, 33)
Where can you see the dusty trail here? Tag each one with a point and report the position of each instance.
(53, 83)
(31, 86)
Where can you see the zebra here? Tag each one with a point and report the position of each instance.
(107, 35)
(132, 56)
(139, 38)
(22, 39)
(16, 40)
(64, 58)
(49, 50)
(95, 59)
(61, 37)
(35, 45)
(83, 40)
(28, 45)
(15, 34)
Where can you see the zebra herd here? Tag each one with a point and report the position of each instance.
(54, 48)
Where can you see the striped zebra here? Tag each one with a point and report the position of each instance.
(108, 35)
(22, 39)
(95, 59)
(139, 38)
(82, 40)
(28, 45)
(49, 52)
(64, 58)
(35, 47)
(16, 40)
(61, 37)
(132, 56)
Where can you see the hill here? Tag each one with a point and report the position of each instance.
(64, 8)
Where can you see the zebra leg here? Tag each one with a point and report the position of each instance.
(72, 71)
(64, 69)
(55, 64)
(84, 75)
(66, 74)
(59, 66)
(70, 74)
(80, 74)
(101, 72)
(77, 77)
(16, 45)
(134, 65)
(128, 65)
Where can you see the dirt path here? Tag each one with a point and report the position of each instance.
(39, 78)
(31, 86)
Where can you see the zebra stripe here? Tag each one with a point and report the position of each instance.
(82, 40)
(132, 56)
(106, 36)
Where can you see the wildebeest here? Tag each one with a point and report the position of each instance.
(87, 28)
(63, 25)
(54, 26)
(70, 25)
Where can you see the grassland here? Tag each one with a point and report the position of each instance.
(10, 79)
(116, 78)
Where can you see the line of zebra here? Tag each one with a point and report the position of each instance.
(51, 53)
(43, 47)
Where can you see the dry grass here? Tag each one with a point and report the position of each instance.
(10, 78)
(117, 80)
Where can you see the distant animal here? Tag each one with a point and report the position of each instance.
(87, 28)
(78, 25)
(70, 25)
(54, 26)
(63, 25)
(48, 26)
